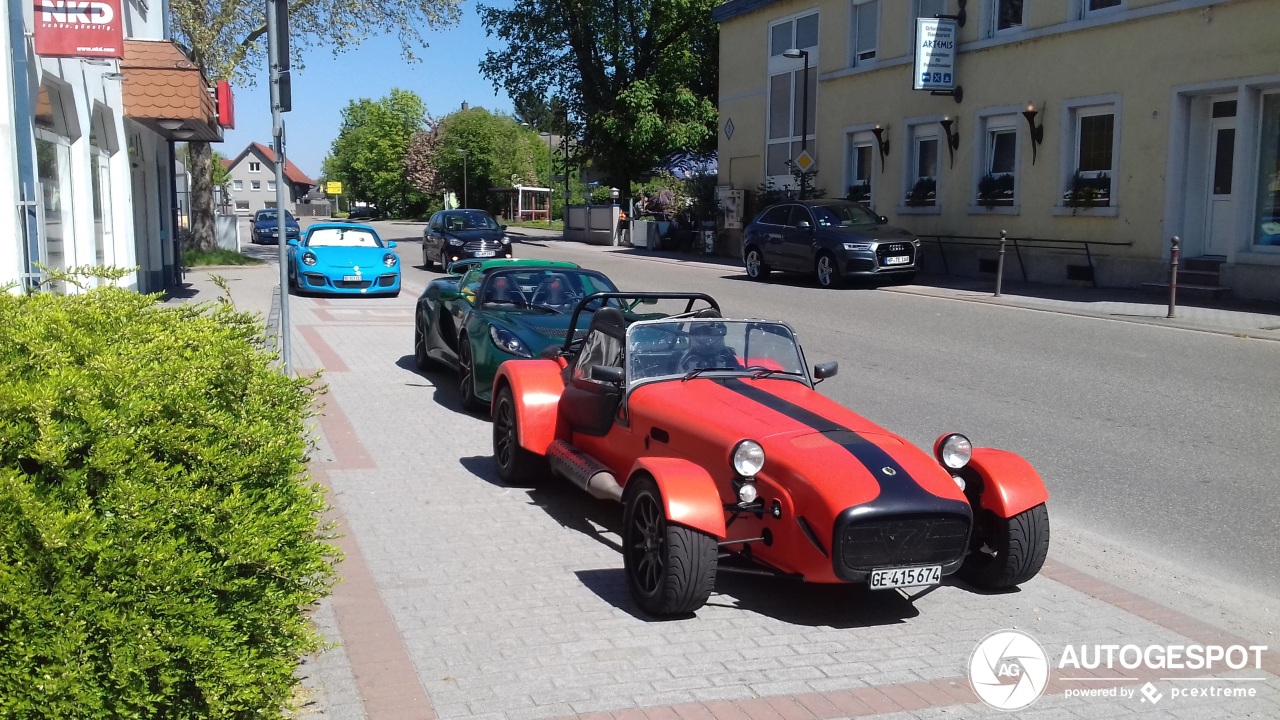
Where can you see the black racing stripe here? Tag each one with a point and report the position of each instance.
(898, 488)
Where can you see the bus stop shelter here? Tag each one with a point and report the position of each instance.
(525, 203)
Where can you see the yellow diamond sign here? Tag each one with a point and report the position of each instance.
(333, 188)
(805, 161)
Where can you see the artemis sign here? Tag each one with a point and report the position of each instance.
(936, 41)
(79, 28)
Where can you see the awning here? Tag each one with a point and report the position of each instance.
(165, 91)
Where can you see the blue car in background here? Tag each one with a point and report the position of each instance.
(343, 259)
(266, 227)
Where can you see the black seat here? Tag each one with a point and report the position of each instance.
(553, 290)
(591, 405)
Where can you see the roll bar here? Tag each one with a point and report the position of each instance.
(605, 296)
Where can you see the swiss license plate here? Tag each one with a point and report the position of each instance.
(351, 278)
(897, 260)
(887, 578)
(485, 253)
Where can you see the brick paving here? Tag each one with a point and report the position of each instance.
(464, 598)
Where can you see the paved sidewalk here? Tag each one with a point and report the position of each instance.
(464, 598)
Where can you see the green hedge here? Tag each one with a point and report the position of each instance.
(159, 542)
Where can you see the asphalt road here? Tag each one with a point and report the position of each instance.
(1160, 443)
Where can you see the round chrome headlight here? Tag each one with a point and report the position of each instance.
(953, 450)
(308, 259)
(748, 458)
(389, 259)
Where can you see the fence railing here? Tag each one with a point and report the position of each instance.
(1019, 243)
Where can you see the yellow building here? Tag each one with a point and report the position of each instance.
(1119, 122)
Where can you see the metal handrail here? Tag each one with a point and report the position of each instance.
(1018, 243)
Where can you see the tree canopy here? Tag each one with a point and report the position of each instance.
(640, 77)
(368, 155)
(499, 153)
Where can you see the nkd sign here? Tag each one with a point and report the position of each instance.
(936, 43)
(79, 28)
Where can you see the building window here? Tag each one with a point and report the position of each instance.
(1091, 177)
(929, 9)
(1268, 206)
(237, 184)
(866, 32)
(1096, 5)
(255, 185)
(997, 185)
(255, 167)
(271, 185)
(787, 92)
(922, 178)
(859, 165)
(242, 206)
(1007, 15)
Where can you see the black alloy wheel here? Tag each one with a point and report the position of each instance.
(420, 357)
(516, 465)
(670, 569)
(466, 383)
(754, 262)
(1011, 552)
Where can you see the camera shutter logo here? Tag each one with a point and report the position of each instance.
(1008, 670)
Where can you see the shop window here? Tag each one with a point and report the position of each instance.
(865, 34)
(1268, 201)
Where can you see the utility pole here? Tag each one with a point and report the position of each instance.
(281, 102)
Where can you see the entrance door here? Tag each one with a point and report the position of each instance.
(1221, 211)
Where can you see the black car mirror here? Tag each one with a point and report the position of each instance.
(822, 371)
(882, 219)
(803, 225)
(607, 374)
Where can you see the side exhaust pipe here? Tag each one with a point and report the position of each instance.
(584, 471)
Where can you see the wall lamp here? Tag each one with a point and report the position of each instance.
(1037, 131)
(171, 124)
(953, 139)
(882, 143)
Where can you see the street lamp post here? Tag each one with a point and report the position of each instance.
(796, 53)
(551, 172)
(463, 153)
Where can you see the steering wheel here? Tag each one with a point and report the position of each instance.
(695, 359)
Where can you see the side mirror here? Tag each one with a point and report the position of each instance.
(449, 294)
(803, 225)
(293, 243)
(608, 374)
(391, 243)
(822, 371)
(501, 226)
(882, 219)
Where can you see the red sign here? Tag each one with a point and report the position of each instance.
(226, 106)
(79, 28)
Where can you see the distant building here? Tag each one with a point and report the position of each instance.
(253, 180)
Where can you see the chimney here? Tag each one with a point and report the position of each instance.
(465, 106)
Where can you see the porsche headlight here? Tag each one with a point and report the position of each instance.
(389, 259)
(857, 246)
(748, 458)
(308, 258)
(508, 342)
(954, 450)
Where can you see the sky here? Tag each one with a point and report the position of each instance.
(446, 75)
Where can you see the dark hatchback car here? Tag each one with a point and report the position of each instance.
(828, 240)
(453, 235)
(363, 212)
(266, 227)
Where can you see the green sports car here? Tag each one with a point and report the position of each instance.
(488, 312)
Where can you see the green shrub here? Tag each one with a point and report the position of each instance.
(221, 256)
(159, 544)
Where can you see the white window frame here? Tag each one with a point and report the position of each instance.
(237, 185)
(1086, 9)
(918, 130)
(993, 26)
(855, 137)
(1072, 112)
(255, 166)
(855, 51)
(991, 121)
(255, 185)
(271, 186)
(779, 65)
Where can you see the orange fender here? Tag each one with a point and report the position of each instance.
(536, 386)
(688, 493)
(1010, 484)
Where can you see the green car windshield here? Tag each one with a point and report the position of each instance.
(549, 289)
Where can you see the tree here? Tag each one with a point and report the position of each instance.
(421, 159)
(368, 156)
(641, 77)
(225, 39)
(499, 153)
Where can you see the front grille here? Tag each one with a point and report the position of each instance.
(894, 249)
(898, 541)
(476, 246)
(352, 284)
(857, 265)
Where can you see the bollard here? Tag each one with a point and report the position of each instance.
(1000, 262)
(1173, 273)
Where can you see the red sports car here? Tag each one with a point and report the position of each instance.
(711, 435)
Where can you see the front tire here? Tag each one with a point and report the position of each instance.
(421, 359)
(467, 383)
(826, 271)
(755, 265)
(670, 569)
(1011, 550)
(516, 465)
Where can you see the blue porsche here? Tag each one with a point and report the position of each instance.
(343, 259)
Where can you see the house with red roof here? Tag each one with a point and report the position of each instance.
(253, 180)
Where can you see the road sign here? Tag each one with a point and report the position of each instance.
(333, 188)
(805, 161)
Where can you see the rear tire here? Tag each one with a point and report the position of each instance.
(671, 569)
(1011, 552)
(516, 465)
(754, 262)
(467, 383)
(826, 271)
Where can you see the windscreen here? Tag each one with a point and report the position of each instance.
(674, 348)
(844, 215)
(343, 237)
